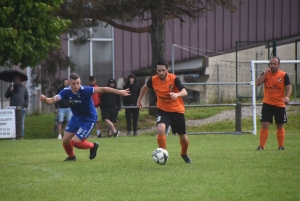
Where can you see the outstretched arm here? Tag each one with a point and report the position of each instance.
(124, 92)
(48, 101)
(142, 93)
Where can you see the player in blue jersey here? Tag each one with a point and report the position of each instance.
(84, 114)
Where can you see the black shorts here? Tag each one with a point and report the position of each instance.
(109, 113)
(174, 119)
(268, 111)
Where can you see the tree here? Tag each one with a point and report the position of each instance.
(49, 68)
(29, 30)
(118, 12)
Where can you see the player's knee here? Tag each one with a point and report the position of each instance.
(279, 126)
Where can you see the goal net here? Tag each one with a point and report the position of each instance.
(223, 92)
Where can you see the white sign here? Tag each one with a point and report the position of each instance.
(7, 123)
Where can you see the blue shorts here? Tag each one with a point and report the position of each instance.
(62, 112)
(81, 127)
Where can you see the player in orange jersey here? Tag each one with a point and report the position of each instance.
(170, 106)
(277, 91)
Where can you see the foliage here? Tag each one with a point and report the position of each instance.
(54, 62)
(29, 30)
(155, 12)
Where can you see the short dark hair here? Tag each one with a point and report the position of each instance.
(162, 62)
(91, 78)
(74, 76)
(275, 57)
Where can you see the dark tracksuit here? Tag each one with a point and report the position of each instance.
(110, 104)
(131, 100)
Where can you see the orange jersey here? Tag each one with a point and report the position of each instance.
(163, 89)
(274, 87)
(96, 98)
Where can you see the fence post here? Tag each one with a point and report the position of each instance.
(238, 117)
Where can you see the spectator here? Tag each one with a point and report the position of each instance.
(96, 99)
(62, 108)
(18, 95)
(131, 100)
(110, 105)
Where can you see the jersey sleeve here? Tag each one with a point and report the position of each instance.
(89, 90)
(149, 83)
(286, 80)
(178, 84)
(60, 95)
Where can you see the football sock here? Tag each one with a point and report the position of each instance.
(69, 149)
(263, 137)
(82, 145)
(161, 141)
(184, 147)
(98, 132)
(280, 136)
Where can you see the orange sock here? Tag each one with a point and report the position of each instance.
(263, 137)
(82, 145)
(161, 141)
(280, 136)
(184, 147)
(69, 149)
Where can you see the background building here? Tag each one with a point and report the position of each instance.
(257, 30)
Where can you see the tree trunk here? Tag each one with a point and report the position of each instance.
(157, 33)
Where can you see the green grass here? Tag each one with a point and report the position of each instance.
(42, 126)
(225, 167)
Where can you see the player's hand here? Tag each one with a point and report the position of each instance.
(11, 88)
(173, 95)
(124, 92)
(286, 100)
(55, 111)
(43, 98)
(140, 105)
(268, 69)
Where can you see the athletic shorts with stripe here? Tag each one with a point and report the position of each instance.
(174, 119)
(268, 111)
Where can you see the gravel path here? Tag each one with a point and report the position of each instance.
(228, 114)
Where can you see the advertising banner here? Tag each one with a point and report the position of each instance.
(7, 123)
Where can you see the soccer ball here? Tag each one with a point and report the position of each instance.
(160, 156)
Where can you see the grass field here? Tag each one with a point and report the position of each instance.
(225, 167)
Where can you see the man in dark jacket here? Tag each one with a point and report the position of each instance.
(18, 95)
(131, 100)
(62, 109)
(110, 104)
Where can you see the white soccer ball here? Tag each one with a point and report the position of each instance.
(160, 156)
